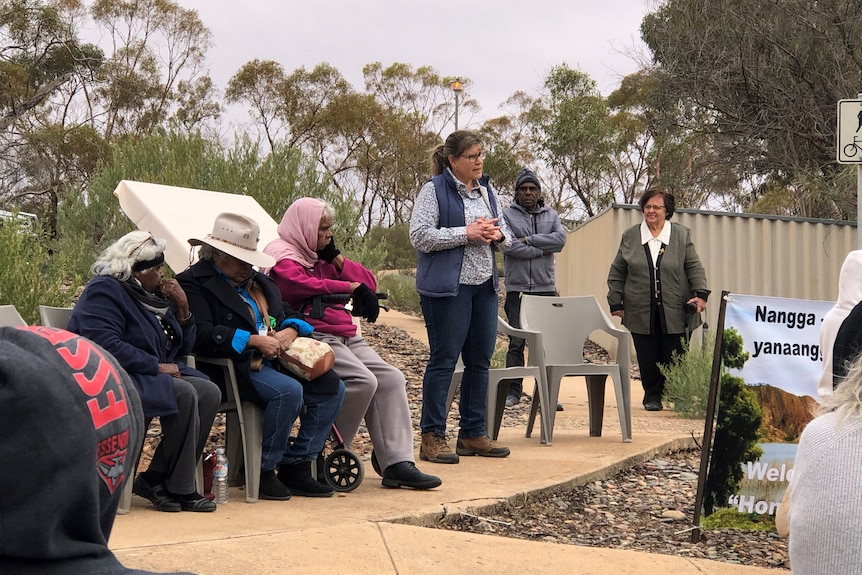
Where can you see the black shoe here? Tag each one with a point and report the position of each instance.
(196, 502)
(158, 495)
(653, 406)
(405, 474)
(271, 488)
(559, 407)
(297, 477)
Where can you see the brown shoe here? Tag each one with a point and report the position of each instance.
(481, 445)
(436, 450)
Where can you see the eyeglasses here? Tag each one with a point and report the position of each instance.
(528, 189)
(653, 208)
(475, 157)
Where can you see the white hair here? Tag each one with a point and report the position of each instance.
(119, 257)
(328, 211)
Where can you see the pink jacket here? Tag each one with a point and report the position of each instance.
(299, 284)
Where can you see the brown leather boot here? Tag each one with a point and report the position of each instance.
(436, 450)
(481, 445)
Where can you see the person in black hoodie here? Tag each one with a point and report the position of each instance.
(72, 426)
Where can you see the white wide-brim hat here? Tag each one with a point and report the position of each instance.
(237, 236)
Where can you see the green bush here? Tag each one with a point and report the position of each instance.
(686, 386)
(401, 290)
(400, 253)
(31, 274)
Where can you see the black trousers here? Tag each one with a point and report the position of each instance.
(185, 433)
(515, 354)
(651, 350)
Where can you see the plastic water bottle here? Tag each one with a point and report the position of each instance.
(220, 477)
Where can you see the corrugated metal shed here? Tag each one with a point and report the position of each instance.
(742, 253)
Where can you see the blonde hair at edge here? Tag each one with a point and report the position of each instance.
(846, 400)
(117, 259)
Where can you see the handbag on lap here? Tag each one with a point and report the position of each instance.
(307, 358)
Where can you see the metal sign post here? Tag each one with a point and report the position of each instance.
(849, 149)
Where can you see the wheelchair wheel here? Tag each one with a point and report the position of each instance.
(343, 470)
(376, 464)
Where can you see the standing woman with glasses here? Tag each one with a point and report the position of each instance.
(657, 285)
(144, 321)
(456, 228)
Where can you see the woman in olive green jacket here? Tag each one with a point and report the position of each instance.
(657, 285)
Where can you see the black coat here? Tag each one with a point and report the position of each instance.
(219, 311)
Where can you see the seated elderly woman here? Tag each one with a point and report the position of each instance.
(310, 265)
(144, 321)
(240, 315)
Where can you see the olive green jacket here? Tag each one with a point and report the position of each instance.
(682, 278)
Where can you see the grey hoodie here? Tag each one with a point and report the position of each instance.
(530, 264)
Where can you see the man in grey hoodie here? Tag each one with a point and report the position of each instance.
(529, 262)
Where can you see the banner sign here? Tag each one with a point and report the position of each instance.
(782, 337)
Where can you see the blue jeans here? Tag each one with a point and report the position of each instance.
(284, 399)
(464, 324)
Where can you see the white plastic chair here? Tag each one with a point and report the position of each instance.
(497, 393)
(565, 324)
(9, 316)
(55, 316)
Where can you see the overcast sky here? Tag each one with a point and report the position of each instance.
(501, 45)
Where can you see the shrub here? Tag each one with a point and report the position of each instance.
(401, 290)
(31, 274)
(686, 386)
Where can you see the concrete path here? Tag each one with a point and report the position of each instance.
(381, 531)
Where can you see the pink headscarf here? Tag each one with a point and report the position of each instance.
(297, 233)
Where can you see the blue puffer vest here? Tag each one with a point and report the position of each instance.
(437, 273)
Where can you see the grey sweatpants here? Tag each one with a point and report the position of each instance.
(376, 391)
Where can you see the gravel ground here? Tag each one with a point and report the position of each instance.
(645, 508)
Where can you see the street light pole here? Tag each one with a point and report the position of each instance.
(457, 87)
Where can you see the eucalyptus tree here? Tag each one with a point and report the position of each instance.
(572, 134)
(507, 140)
(42, 64)
(372, 145)
(758, 81)
(64, 101)
(156, 63)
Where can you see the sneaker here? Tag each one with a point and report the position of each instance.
(405, 474)
(481, 445)
(157, 494)
(297, 478)
(512, 400)
(271, 488)
(435, 449)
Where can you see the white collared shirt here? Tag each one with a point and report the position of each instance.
(656, 242)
